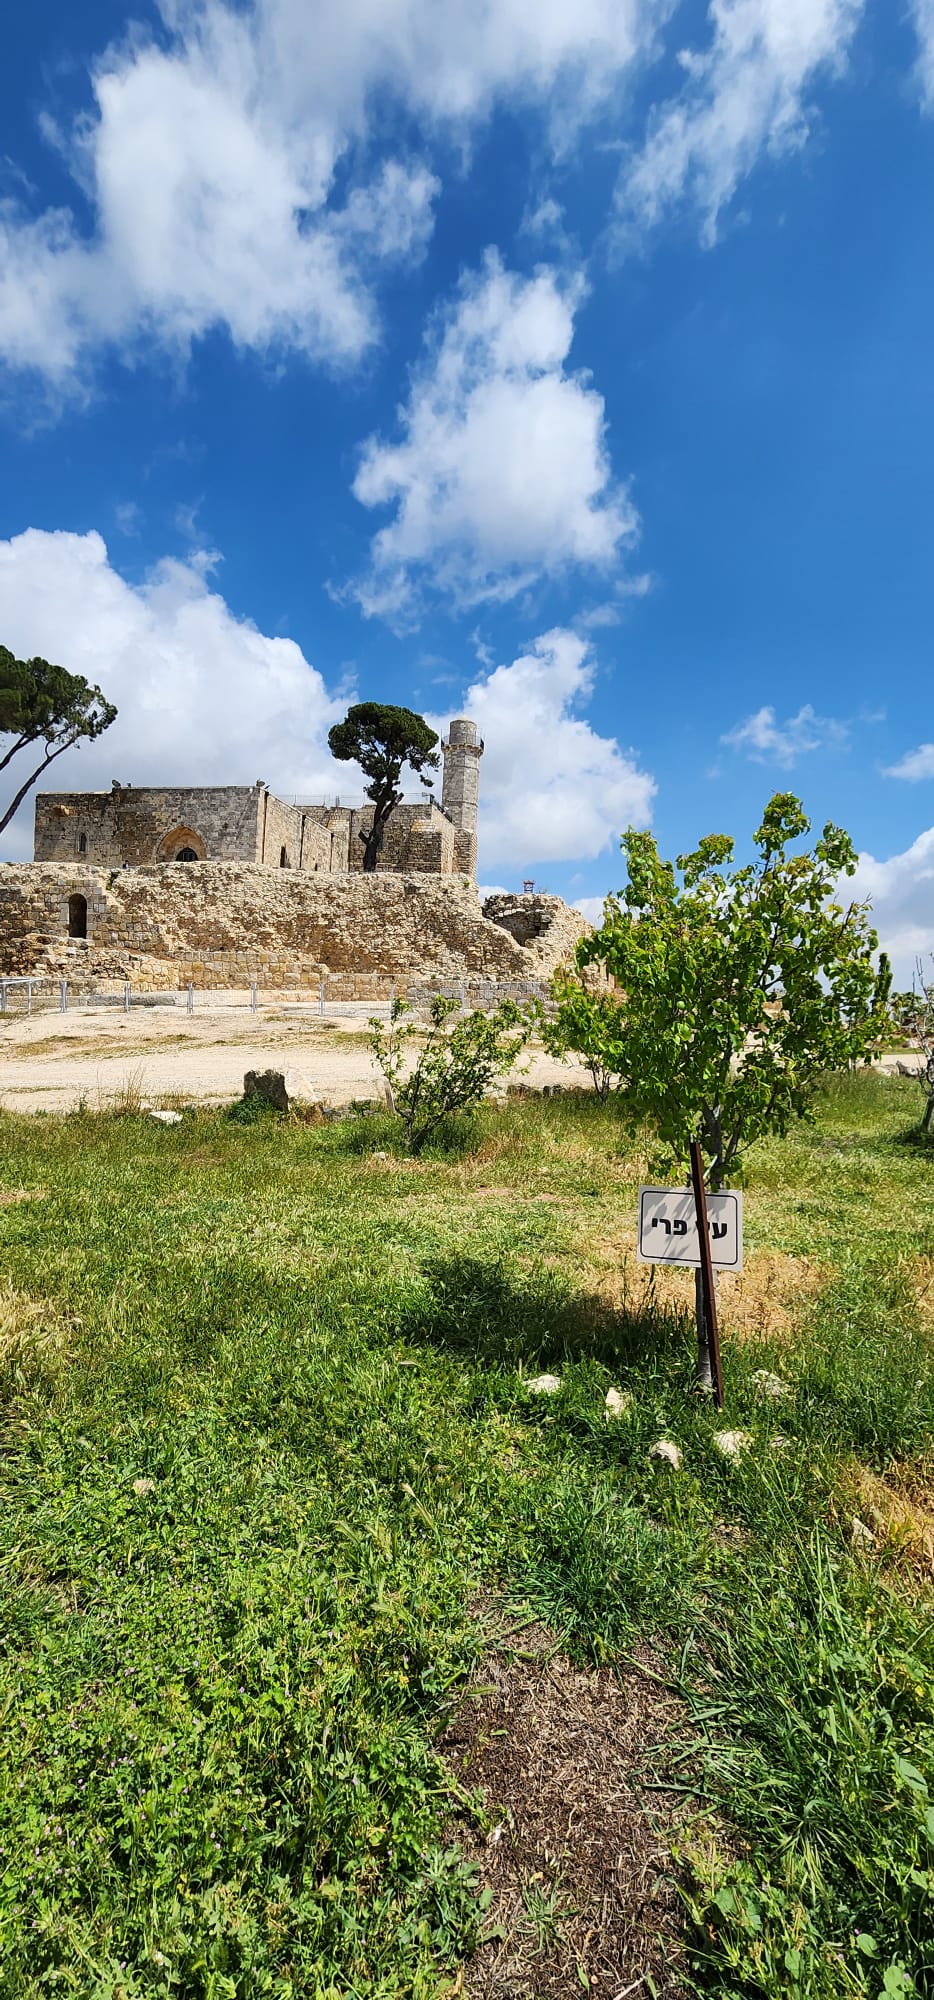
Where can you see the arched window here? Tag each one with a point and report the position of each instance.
(283, 858)
(186, 854)
(82, 843)
(77, 916)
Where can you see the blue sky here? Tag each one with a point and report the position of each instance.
(570, 365)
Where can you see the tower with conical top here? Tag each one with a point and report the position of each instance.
(460, 791)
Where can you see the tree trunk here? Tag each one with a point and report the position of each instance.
(928, 1119)
(21, 794)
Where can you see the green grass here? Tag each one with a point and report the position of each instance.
(219, 1694)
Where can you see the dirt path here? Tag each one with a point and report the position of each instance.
(51, 1062)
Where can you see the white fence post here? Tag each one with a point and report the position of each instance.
(191, 998)
(321, 996)
(29, 996)
(63, 996)
(253, 997)
(126, 996)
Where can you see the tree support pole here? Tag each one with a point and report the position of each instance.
(708, 1332)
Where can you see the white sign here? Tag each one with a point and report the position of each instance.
(668, 1228)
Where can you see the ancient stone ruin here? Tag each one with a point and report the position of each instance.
(223, 886)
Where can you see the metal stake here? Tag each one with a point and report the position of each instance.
(708, 1288)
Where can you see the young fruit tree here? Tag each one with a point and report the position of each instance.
(740, 986)
(41, 703)
(432, 1073)
(382, 739)
(922, 1026)
(585, 1024)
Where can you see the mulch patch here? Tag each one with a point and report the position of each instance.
(578, 1859)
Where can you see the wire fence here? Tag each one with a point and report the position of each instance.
(333, 997)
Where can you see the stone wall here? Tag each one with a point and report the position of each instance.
(146, 823)
(230, 923)
(545, 928)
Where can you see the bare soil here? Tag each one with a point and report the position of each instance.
(578, 1851)
(52, 1061)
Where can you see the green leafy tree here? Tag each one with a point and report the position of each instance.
(432, 1073)
(586, 1024)
(382, 740)
(41, 703)
(741, 986)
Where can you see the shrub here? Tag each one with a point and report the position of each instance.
(455, 1060)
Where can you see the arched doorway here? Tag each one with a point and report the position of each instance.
(182, 844)
(77, 916)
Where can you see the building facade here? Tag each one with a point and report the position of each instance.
(142, 826)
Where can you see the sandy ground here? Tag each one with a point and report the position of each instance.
(52, 1061)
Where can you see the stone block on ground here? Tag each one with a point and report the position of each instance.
(280, 1088)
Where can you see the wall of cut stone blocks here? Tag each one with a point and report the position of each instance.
(137, 824)
(231, 923)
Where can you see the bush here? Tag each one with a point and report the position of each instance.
(455, 1061)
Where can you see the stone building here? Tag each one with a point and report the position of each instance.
(282, 900)
(145, 825)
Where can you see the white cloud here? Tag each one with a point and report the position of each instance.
(901, 891)
(916, 764)
(923, 15)
(208, 165)
(204, 698)
(745, 95)
(551, 789)
(591, 907)
(502, 469)
(766, 740)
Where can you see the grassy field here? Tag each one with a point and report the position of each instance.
(267, 1443)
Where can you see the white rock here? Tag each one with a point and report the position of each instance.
(732, 1443)
(618, 1403)
(770, 1385)
(142, 1486)
(166, 1117)
(544, 1385)
(671, 1453)
(861, 1536)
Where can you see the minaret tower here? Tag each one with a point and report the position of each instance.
(460, 790)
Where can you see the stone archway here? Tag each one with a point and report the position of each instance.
(182, 844)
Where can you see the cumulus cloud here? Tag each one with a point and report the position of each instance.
(922, 12)
(767, 740)
(501, 468)
(550, 788)
(208, 161)
(916, 764)
(746, 94)
(901, 891)
(204, 698)
(591, 907)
